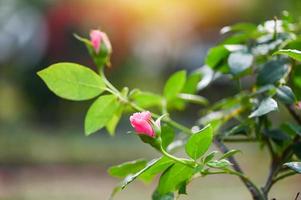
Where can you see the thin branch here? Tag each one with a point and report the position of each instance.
(256, 194)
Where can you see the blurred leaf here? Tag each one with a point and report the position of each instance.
(272, 72)
(297, 149)
(239, 27)
(146, 99)
(240, 129)
(100, 113)
(293, 53)
(230, 153)
(291, 129)
(171, 179)
(295, 166)
(198, 143)
(72, 81)
(219, 164)
(174, 85)
(182, 188)
(210, 156)
(112, 123)
(286, 95)
(157, 196)
(277, 136)
(239, 61)
(157, 168)
(127, 168)
(191, 84)
(215, 56)
(193, 98)
(131, 178)
(267, 105)
(167, 135)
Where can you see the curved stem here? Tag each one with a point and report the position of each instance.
(189, 163)
(283, 176)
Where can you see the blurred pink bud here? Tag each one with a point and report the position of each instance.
(96, 37)
(141, 121)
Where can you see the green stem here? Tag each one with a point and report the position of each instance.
(187, 162)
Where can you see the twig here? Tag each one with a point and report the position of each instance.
(255, 192)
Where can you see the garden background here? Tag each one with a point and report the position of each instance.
(43, 151)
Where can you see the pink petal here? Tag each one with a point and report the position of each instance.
(96, 37)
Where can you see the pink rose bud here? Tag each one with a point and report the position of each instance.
(97, 37)
(141, 121)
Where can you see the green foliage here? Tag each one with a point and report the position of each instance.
(296, 166)
(174, 85)
(239, 62)
(266, 105)
(100, 113)
(198, 144)
(127, 168)
(293, 53)
(172, 178)
(72, 81)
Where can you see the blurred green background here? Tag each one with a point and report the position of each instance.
(43, 151)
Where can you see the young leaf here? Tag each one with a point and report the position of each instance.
(157, 168)
(219, 164)
(146, 99)
(100, 113)
(267, 105)
(112, 123)
(173, 177)
(272, 72)
(174, 85)
(210, 156)
(296, 166)
(72, 81)
(239, 61)
(192, 82)
(230, 153)
(199, 143)
(167, 135)
(127, 168)
(193, 98)
(293, 53)
(286, 95)
(157, 196)
(215, 56)
(131, 178)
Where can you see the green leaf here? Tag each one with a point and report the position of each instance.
(127, 168)
(272, 72)
(267, 105)
(167, 135)
(173, 177)
(291, 129)
(100, 113)
(286, 95)
(210, 156)
(112, 123)
(72, 81)
(157, 168)
(131, 178)
(146, 99)
(193, 98)
(174, 85)
(239, 62)
(182, 188)
(157, 196)
(192, 82)
(198, 144)
(215, 56)
(219, 164)
(230, 153)
(293, 53)
(239, 27)
(296, 166)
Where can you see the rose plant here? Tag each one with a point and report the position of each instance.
(263, 60)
